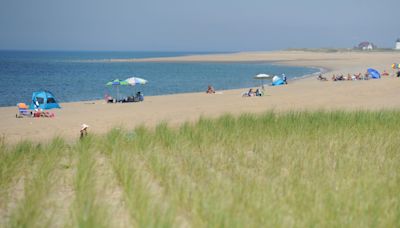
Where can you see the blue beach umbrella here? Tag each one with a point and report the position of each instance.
(374, 73)
(117, 83)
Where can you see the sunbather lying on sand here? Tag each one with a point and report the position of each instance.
(41, 113)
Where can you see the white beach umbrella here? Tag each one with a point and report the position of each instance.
(136, 81)
(262, 77)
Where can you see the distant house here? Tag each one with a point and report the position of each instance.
(397, 47)
(366, 46)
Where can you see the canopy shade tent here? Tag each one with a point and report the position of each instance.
(43, 100)
(276, 81)
(374, 73)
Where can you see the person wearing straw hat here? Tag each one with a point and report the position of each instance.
(83, 130)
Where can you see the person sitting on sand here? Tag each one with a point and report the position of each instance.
(358, 76)
(385, 73)
(139, 96)
(108, 98)
(366, 76)
(320, 77)
(251, 93)
(210, 90)
(259, 92)
(334, 77)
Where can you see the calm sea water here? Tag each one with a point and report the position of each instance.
(72, 76)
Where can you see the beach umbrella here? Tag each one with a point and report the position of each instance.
(117, 83)
(132, 81)
(135, 80)
(374, 73)
(262, 77)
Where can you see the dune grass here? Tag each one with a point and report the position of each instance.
(30, 210)
(87, 211)
(302, 169)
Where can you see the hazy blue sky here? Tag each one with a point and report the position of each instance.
(196, 25)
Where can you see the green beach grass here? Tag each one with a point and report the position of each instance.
(303, 169)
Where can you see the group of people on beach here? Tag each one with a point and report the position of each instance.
(139, 97)
(252, 93)
(39, 112)
(354, 77)
(349, 77)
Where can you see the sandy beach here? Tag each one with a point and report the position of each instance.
(304, 94)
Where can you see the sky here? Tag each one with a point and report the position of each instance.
(196, 25)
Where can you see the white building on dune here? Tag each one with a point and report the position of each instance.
(397, 47)
(366, 46)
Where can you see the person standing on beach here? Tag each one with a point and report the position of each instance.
(284, 78)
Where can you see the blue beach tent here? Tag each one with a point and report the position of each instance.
(374, 73)
(43, 100)
(276, 81)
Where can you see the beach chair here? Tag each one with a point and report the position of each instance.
(109, 99)
(23, 111)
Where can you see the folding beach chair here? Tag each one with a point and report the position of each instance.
(23, 111)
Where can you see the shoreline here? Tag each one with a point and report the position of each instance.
(305, 93)
(302, 77)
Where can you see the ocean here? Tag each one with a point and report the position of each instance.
(80, 76)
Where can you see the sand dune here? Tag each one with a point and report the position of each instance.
(305, 94)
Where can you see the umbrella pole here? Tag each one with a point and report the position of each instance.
(117, 93)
